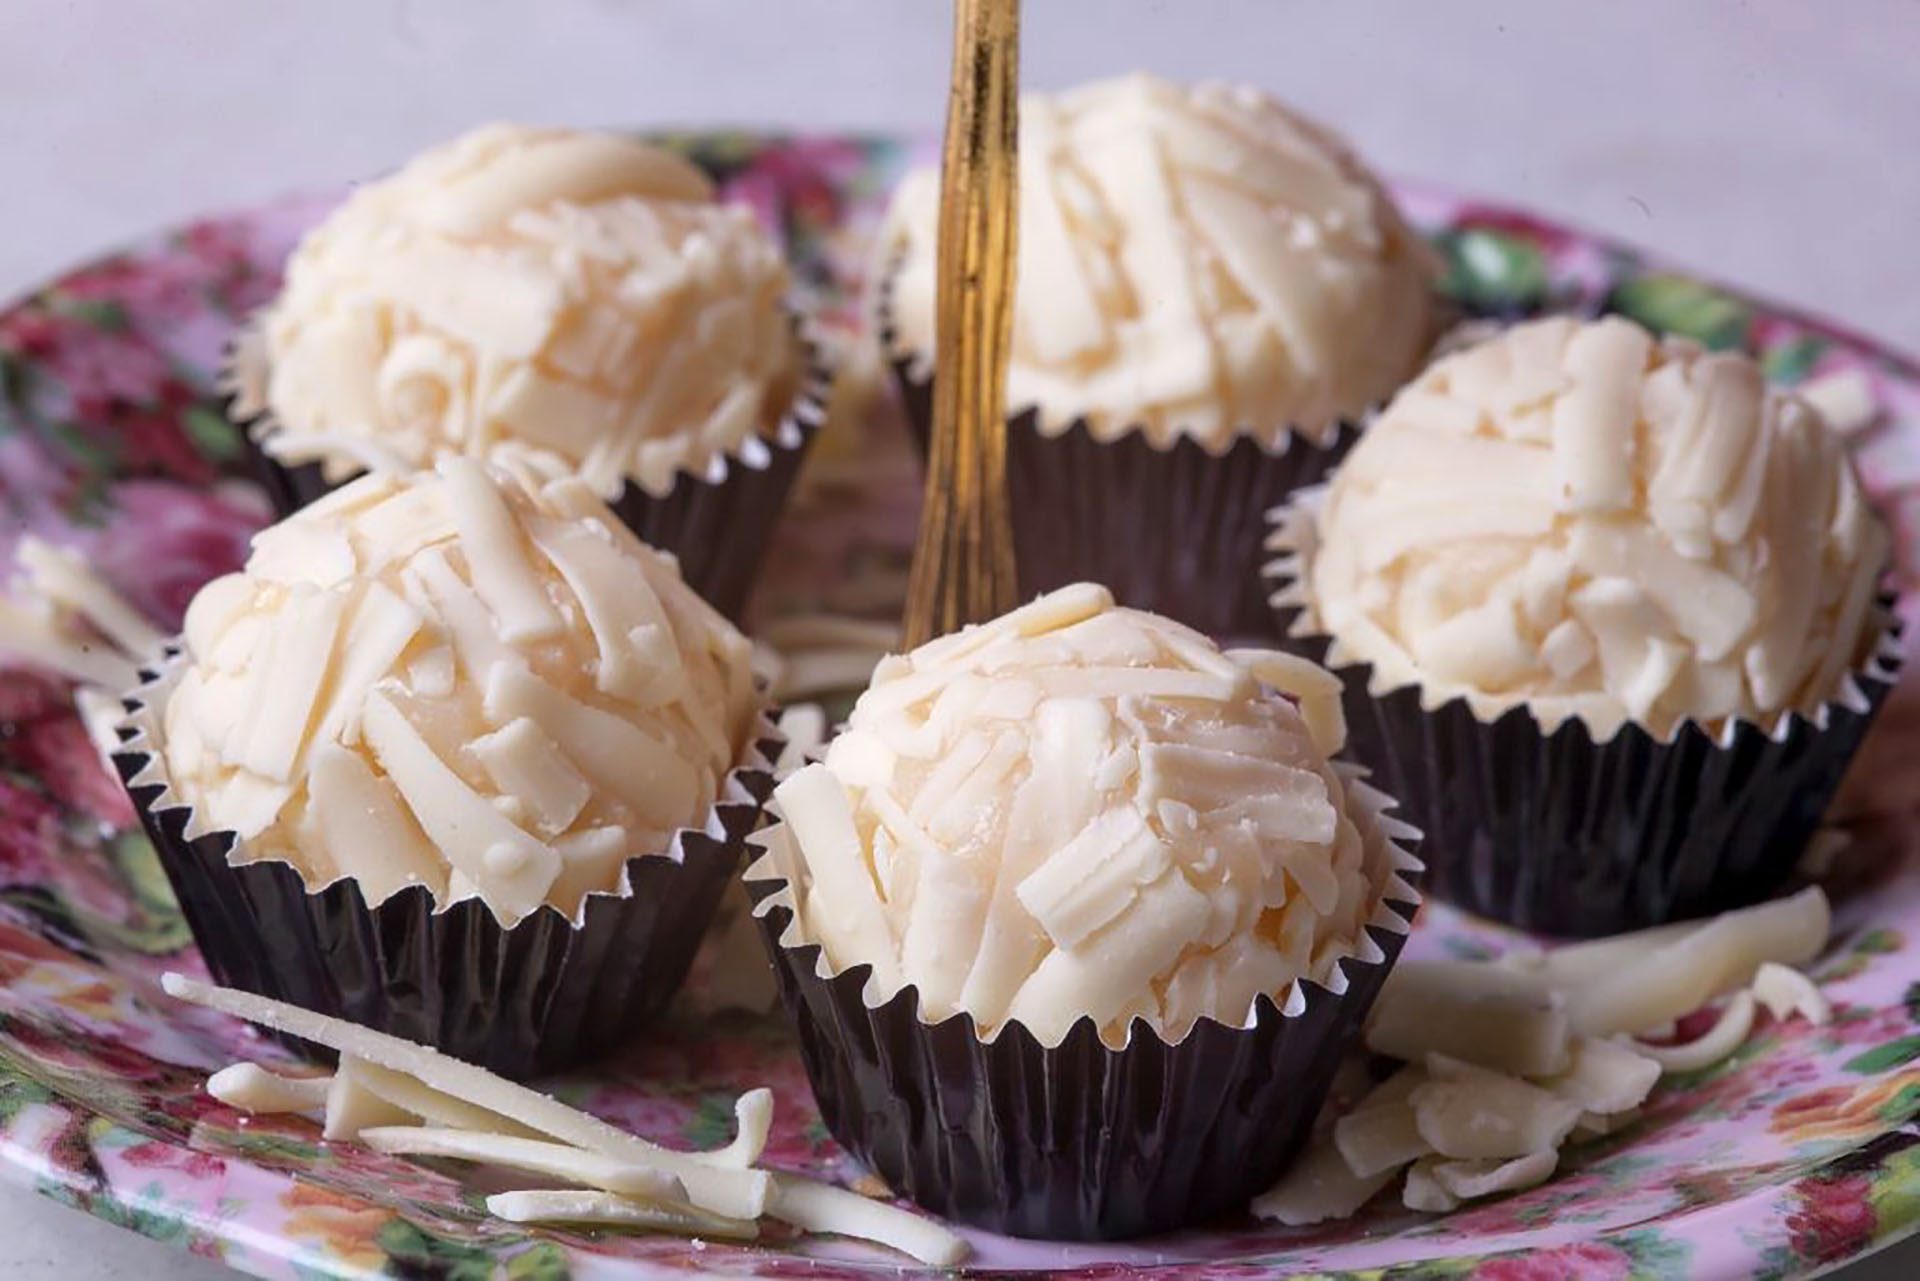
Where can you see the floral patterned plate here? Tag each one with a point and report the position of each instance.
(1802, 1150)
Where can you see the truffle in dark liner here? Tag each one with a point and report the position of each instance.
(717, 523)
(1079, 1141)
(1555, 832)
(1176, 529)
(547, 994)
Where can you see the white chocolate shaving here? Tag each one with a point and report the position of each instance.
(1318, 1186)
(820, 1207)
(1607, 1077)
(1381, 1133)
(1728, 1033)
(1424, 1191)
(559, 303)
(353, 1106)
(1785, 992)
(529, 1156)
(252, 1088)
(445, 706)
(416, 1099)
(1195, 260)
(604, 1209)
(1469, 1180)
(1484, 1115)
(1505, 1021)
(1629, 530)
(1673, 981)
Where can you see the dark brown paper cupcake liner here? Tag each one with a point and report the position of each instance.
(717, 523)
(1177, 530)
(545, 995)
(1556, 832)
(1078, 1141)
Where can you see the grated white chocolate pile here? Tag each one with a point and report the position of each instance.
(1079, 810)
(1511, 1062)
(408, 1100)
(562, 302)
(446, 681)
(1193, 261)
(1597, 523)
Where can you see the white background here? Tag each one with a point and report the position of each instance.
(1775, 144)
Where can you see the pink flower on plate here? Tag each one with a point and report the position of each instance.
(155, 1155)
(1583, 1261)
(96, 366)
(166, 540)
(58, 752)
(29, 833)
(225, 252)
(1835, 1218)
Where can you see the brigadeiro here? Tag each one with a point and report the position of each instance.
(1212, 292)
(558, 303)
(454, 760)
(1076, 918)
(1606, 608)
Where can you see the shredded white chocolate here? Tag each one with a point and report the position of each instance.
(444, 674)
(252, 1088)
(483, 1118)
(1506, 1021)
(63, 616)
(560, 303)
(1786, 992)
(1193, 260)
(1593, 523)
(606, 1209)
(1491, 1114)
(1720, 1041)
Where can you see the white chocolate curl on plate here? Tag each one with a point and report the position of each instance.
(1193, 260)
(574, 303)
(1599, 524)
(447, 678)
(485, 1119)
(1078, 811)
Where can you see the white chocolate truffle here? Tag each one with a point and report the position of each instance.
(447, 681)
(566, 303)
(1193, 260)
(1598, 523)
(1078, 810)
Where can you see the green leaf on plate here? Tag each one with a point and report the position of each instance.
(1895, 1192)
(211, 433)
(1492, 271)
(1882, 1057)
(420, 1253)
(1671, 304)
(97, 312)
(545, 1262)
(1793, 360)
(711, 1125)
(1655, 1253)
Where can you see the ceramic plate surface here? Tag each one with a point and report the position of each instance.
(1800, 1151)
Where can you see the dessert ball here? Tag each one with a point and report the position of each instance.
(556, 302)
(1594, 522)
(1081, 811)
(1194, 260)
(449, 681)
